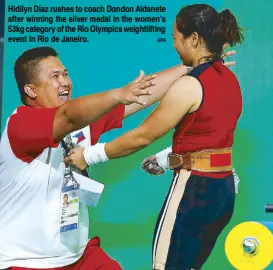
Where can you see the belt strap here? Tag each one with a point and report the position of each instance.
(207, 160)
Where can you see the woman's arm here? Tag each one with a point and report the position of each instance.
(184, 95)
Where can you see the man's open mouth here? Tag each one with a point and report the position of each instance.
(64, 95)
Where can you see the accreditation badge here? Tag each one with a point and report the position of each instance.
(70, 206)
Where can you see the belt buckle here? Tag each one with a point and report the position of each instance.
(181, 161)
(178, 160)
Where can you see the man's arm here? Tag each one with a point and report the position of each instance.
(184, 96)
(164, 79)
(80, 112)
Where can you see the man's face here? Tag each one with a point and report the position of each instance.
(52, 86)
(65, 199)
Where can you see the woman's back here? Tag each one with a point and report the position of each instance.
(213, 124)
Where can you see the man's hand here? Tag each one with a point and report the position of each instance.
(76, 158)
(151, 166)
(139, 87)
(228, 54)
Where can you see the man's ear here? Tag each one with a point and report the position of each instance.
(30, 91)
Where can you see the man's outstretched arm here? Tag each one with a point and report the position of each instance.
(164, 79)
(179, 99)
(80, 112)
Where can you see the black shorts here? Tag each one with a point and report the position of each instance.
(194, 213)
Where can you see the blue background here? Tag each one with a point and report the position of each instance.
(128, 210)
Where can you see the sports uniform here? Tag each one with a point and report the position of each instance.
(200, 203)
(31, 179)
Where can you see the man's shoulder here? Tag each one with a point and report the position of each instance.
(28, 109)
(28, 115)
(22, 109)
(19, 110)
(17, 115)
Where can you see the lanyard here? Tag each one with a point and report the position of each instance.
(68, 175)
(67, 146)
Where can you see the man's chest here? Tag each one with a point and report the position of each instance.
(80, 138)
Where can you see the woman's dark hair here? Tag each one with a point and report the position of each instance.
(215, 28)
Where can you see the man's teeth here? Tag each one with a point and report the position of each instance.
(64, 93)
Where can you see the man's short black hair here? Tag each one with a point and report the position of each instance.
(25, 68)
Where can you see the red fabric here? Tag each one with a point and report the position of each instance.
(218, 160)
(213, 124)
(30, 131)
(109, 121)
(93, 258)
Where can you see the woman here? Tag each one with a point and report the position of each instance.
(203, 107)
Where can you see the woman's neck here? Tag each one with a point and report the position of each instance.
(202, 58)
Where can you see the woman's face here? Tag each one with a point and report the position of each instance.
(184, 46)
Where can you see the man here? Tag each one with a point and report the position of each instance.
(31, 159)
(32, 168)
(65, 200)
(32, 171)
